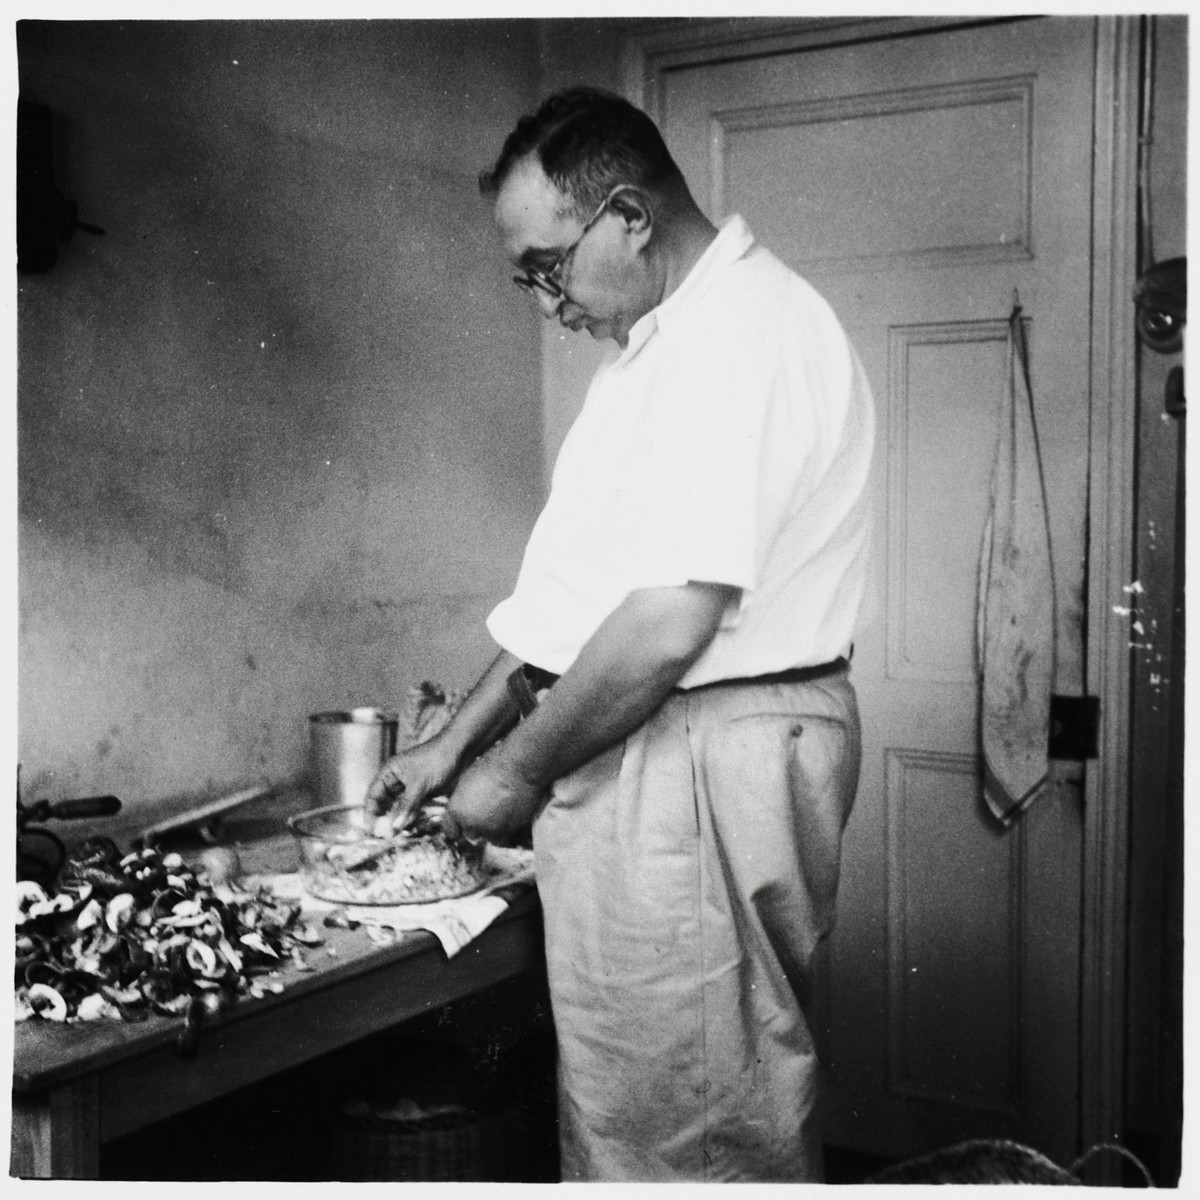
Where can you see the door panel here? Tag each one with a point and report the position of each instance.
(920, 182)
(861, 146)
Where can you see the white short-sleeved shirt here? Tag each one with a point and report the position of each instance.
(729, 443)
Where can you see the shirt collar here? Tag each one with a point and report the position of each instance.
(730, 244)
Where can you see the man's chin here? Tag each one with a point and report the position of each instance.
(601, 331)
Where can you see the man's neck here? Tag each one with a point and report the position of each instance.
(688, 238)
(682, 237)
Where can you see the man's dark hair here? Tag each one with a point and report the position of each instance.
(587, 141)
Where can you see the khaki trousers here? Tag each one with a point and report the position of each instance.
(686, 878)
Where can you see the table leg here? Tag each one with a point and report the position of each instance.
(56, 1134)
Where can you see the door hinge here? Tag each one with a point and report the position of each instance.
(1074, 727)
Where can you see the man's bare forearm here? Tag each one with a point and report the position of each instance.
(622, 675)
(488, 712)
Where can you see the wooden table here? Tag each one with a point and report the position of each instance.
(80, 1085)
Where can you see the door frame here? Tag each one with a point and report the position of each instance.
(1112, 421)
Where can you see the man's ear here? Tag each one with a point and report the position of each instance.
(635, 208)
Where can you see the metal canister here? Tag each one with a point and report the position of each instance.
(346, 749)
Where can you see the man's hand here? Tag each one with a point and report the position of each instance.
(492, 801)
(407, 780)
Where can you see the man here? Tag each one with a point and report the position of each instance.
(677, 644)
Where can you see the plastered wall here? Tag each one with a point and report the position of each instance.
(279, 428)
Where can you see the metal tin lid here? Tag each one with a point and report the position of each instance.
(355, 716)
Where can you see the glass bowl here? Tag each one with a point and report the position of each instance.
(341, 860)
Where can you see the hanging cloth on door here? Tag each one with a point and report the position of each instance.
(1016, 636)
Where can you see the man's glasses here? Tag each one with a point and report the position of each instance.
(549, 282)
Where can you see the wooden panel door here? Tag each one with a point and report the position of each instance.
(920, 182)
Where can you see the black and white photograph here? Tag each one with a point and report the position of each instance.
(598, 598)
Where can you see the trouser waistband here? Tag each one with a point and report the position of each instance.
(527, 681)
(791, 675)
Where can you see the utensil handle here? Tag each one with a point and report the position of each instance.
(85, 806)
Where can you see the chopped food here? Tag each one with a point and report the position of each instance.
(220, 863)
(47, 1002)
(123, 936)
(411, 869)
(342, 861)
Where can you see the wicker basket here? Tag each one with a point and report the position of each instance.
(468, 1146)
(983, 1160)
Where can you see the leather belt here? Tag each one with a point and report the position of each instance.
(527, 681)
(791, 675)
